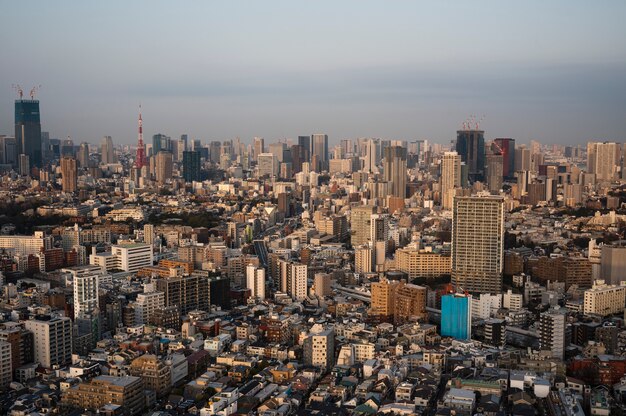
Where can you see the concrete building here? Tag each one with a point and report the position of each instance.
(478, 244)
(126, 391)
(132, 257)
(255, 281)
(147, 305)
(6, 366)
(322, 284)
(154, 372)
(604, 299)
(69, 174)
(552, 332)
(450, 178)
(360, 224)
(52, 340)
(164, 166)
(612, 263)
(319, 348)
(267, 165)
(394, 169)
(421, 263)
(363, 259)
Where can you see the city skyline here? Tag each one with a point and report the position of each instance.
(553, 73)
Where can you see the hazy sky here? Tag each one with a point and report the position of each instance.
(552, 71)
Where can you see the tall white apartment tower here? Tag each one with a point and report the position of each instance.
(255, 279)
(85, 294)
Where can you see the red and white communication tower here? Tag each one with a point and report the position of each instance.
(141, 152)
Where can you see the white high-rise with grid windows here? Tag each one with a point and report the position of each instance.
(478, 244)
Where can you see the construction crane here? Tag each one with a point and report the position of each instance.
(19, 90)
(33, 91)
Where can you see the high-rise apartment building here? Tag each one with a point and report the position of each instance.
(294, 279)
(255, 281)
(148, 234)
(363, 259)
(187, 293)
(395, 170)
(69, 173)
(409, 303)
(450, 177)
(456, 316)
(552, 326)
(470, 145)
(52, 340)
(603, 160)
(147, 305)
(28, 130)
(86, 294)
(155, 374)
(21, 341)
(164, 166)
(478, 244)
(360, 224)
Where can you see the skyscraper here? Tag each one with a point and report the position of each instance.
(161, 142)
(494, 171)
(477, 243)
(507, 148)
(69, 174)
(28, 130)
(603, 159)
(83, 155)
(191, 166)
(450, 177)
(456, 316)
(371, 158)
(319, 150)
(360, 224)
(470, 145)
(395, 170)
(259, 147)
(164, 167)
(107, 152)
(305, 141)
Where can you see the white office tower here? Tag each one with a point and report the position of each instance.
(255, 278)
(478, 244)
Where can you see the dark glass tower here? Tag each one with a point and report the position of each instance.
(507, 148)
(191, 166)
(28, 130)
(470, 144)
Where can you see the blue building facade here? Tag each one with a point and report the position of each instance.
(456, 316)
